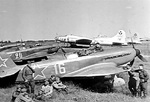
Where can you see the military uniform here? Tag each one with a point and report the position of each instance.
(28, 78)
(59, 86)
(133, 83)
(143, 75)
(23, 96)
(16, 93)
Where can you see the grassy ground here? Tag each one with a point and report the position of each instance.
(77, 94)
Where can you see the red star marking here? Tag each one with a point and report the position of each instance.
(3, 62)
(39, 71)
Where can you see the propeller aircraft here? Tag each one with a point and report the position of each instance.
(108, 62)
(34, 54)
(9, 46)
(118, 39)
(135, 40)
(74, 41)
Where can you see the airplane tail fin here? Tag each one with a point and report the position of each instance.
(120, 36)
(136, 38)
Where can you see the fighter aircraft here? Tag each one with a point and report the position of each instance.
(33, 54)
(135, 40)
(118, 39)
(9, 46)
(74, 41)
(108, 62)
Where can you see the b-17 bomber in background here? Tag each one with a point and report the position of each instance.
(74, 41)
(118, 39)
(133, 40)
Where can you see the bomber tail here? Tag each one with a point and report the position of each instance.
(120, 37)
(136, 39)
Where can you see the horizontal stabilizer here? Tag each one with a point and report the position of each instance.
(7, 66)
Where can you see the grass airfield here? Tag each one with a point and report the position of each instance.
(79, 94)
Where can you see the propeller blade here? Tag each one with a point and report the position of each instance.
(63, 50)
(132, 43)
(131, 63)
(142, 58)
(131, 40)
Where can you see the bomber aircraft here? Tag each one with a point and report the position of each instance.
(106, 63)
(133, 40)
(74, 41)
(118, 39)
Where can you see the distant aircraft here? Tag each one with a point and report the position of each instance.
(9, 46)
(145, 39)
(118, 39)
(32, 54)
(106, 63)
(135, 40)
(74, 40)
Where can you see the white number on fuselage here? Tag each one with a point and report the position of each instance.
(59, 68)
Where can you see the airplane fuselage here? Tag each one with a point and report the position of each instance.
(63, 68)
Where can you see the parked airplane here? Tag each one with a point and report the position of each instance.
(9, 46)
(118, 39)
(74, 40)
(97, 64)
(135, 39)
(33, 54)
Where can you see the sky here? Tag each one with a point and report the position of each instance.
(46, 19)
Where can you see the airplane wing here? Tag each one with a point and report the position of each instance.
(100, 69)
(84, 41)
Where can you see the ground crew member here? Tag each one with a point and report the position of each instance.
(143, 75)
(133, 83)
(16, 93)
(59, 86)
(47, 89)
(45, 92)
(27, 75)
(23, 96)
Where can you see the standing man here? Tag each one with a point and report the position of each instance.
(133, 83)
(27, 75)
(143, 75)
